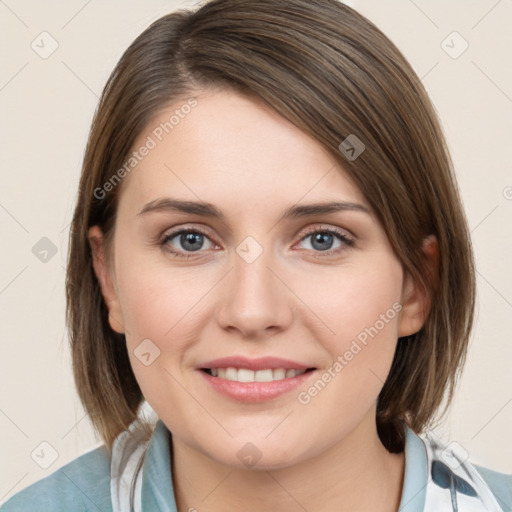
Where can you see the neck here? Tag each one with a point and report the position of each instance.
(357, 473)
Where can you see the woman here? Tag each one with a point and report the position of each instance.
(270, 250)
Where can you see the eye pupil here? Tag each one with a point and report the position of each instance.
(323, 239)
(194, 239)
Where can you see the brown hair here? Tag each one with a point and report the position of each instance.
(332, 73)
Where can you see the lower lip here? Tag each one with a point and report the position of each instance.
(255, 391)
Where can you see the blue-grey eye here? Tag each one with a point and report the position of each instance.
(188, 241)
(322, 241)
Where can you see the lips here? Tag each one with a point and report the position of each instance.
(254, 380)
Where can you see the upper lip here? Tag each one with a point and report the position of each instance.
(260, 363)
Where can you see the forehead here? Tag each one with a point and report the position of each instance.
(235, 152)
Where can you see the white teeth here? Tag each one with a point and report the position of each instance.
(264, 376)
(231, 374)
(279, 373)
(245, 375)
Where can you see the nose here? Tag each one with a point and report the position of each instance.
(256, 301)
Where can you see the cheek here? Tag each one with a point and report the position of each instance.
(163, 304)
(148, 291)
(349, 300)
(161, 310)
(359, 310)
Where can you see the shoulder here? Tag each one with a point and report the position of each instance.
(500, 485)
(79, 486)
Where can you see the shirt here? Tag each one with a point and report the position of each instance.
(437, 478)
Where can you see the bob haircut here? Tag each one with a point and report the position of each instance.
(332, 73)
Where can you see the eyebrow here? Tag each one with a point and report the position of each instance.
(204, 209)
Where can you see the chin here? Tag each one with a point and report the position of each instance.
(259, 454)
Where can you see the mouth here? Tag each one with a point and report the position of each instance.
(247, 375)
(252, 380)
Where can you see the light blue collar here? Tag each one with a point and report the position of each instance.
(415, 474)
(157, 487)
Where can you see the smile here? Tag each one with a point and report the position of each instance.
(247, 375)
(251, 380)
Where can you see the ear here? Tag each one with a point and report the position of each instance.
(106, 279)
(416, 300)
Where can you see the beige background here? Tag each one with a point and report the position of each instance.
(47, 106)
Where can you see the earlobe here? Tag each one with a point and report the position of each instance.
(105, 279)
(416, 299)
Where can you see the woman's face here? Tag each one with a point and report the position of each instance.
(262, 278)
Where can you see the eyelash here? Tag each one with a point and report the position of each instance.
(316, 254)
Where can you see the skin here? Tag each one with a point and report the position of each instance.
(252, 164)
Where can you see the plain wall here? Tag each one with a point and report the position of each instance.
(47, 106)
